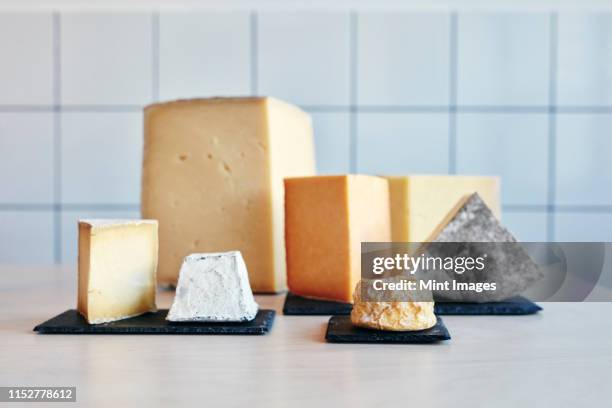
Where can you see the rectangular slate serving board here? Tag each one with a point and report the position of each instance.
(341, 330)
(300, 306)
(71, 322)
(512, 307)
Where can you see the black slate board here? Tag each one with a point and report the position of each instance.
(511, 307)
(71, 322)
(341, 330)
(300, 306)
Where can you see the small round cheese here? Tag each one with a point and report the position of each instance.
(391, 315)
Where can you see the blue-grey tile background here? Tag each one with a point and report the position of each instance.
(523, 95)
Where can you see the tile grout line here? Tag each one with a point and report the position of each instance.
(254, 21)
(57, 140)
(552, 127)
(545, 208)
(155, 56)
(353, 39)
(442, 109)
(25, 207)
(452, 109)
(68, 207)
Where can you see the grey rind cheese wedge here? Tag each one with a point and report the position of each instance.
(478, 233)
(213, 287)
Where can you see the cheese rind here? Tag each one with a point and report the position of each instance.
(392, 315)
(326, 219)
(212, 176)
(420, 202)
(507, 263)
(213, 288)
(117, 267)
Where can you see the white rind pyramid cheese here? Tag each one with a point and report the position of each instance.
(213, 288)
(213, 173)
(117, 266)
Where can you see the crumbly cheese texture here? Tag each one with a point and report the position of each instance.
(391, 315)
(213, 177)
(117, 267)
(213, 288)
(419, 203)
(327, 218)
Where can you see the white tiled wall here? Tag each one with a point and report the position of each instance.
(203, 54)
(27, 237)
(583, 154)
(503, 59)
(26, 157)
(105, 59)
(304, 57)
(511, 145)
(332, 142)
(527, 96)
(101, 157)
(402, 143)
(26, 75)
(585, 60)
(403, 59)
(528, 224)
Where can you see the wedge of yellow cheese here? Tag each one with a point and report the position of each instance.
(117, 264)
(213, 177)
(327, 218)
(420, 203)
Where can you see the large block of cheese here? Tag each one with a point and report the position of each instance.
(327, 218)
(117, 264)
(213, 177)
(419, 203)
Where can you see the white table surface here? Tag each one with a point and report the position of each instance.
(561, 357)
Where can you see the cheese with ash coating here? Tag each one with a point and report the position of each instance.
(390, 313)
(213, 288)
(473, 226)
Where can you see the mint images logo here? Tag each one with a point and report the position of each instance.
(396, 284)
(420, 275)
(538, 271)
